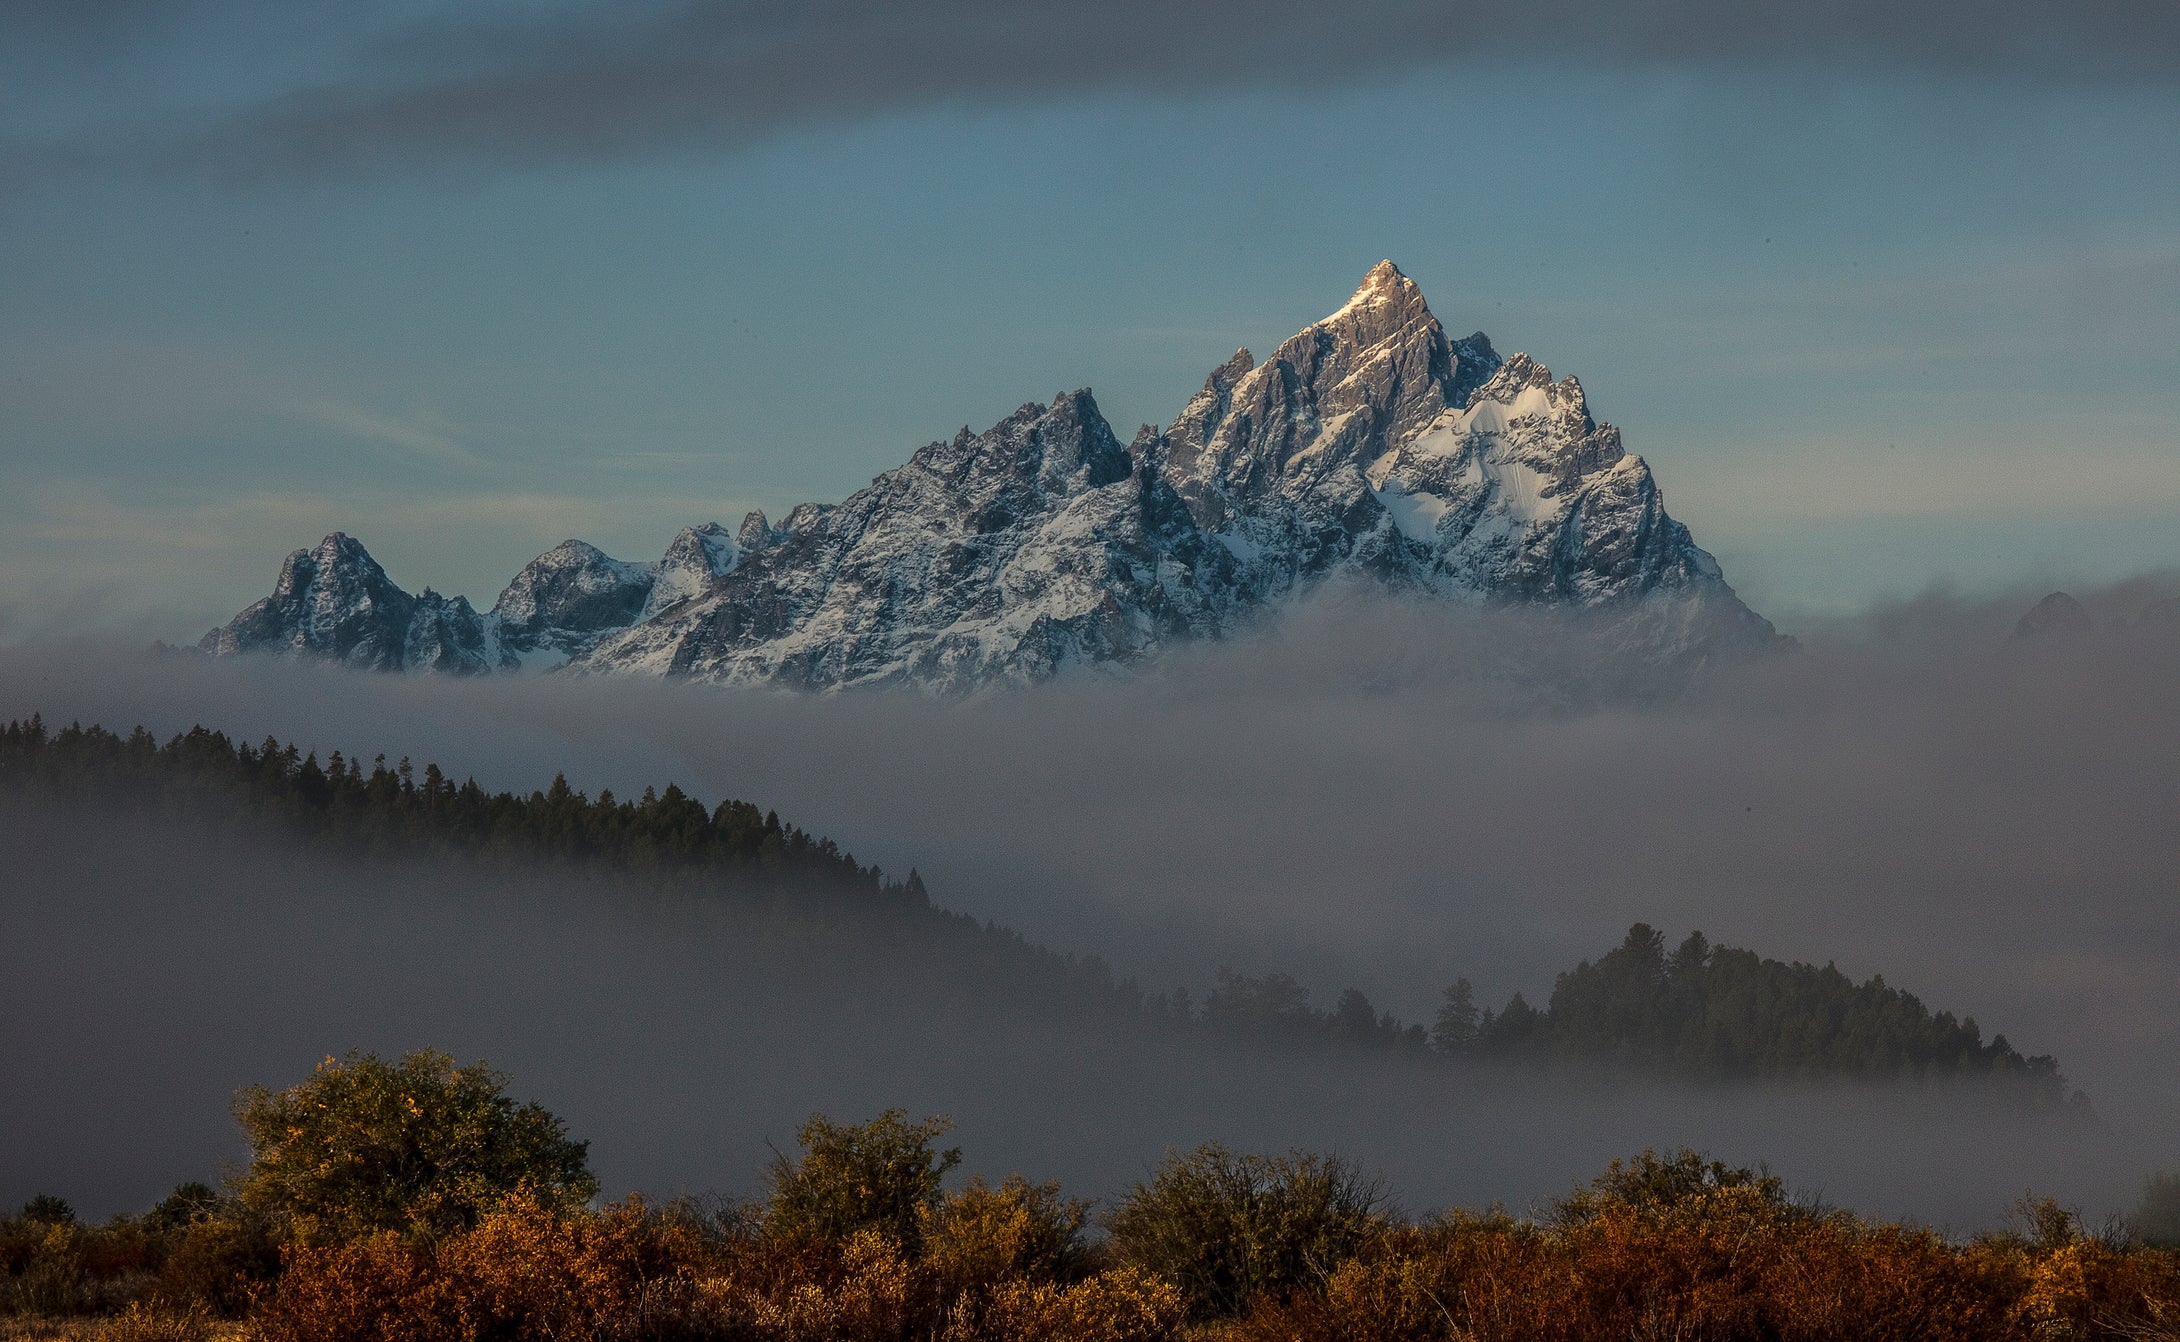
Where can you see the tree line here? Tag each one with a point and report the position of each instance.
(1699, 1013)
(1719, 1013)
(396, 810)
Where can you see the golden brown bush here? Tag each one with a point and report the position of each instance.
(376, 1289)
(217, 1264)
(1658, 1247)
(143, 1323)
(983, 1236)
(1728, 1263)
(993, 1270)
(1125, 1304)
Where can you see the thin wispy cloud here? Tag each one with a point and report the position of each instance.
(407, 434)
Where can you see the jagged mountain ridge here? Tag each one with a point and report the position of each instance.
(1369, 446)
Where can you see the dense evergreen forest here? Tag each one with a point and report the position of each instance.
(1699, 1012)
(398, 812)
(1715, 1012)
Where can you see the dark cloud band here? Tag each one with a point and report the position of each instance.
(596, 82)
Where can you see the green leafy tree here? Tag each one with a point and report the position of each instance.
(1228, 1229)
(46, 1209)
(188, 1203)
(1654, 1184)
(420, 1146)
(882, 1175)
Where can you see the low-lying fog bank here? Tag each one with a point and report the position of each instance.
(151, 970)
(1376, 795)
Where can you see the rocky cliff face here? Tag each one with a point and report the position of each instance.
(1369, 447)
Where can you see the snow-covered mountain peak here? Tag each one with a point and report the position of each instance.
(563, 599)
(1520, 375)
(334, 601)
(1369, 447)
(1386, 312)
(337, 561)
(1339, 393)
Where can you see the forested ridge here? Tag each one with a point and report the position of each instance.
(1699, 1012)
(1716, 1012)
(398, 811)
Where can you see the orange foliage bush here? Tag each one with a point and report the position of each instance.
(528, 1269)
(531, 1270)
(1656, 1248)
(1725, 1260)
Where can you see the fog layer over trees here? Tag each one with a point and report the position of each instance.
(1375, 796)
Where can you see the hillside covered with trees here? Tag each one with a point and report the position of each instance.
(1718, 1013)
(1697, 1013)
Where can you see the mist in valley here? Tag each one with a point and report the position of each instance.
(1371, 795)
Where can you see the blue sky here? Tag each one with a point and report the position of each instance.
(1879, 318)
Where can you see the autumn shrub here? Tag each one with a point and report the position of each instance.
(1227, 1230)
(876, 1293)
(1000, 1264)
(1122, 1304)
(531, 1268)
(860, 1242)
(539, 1269)
(1671, 1247)
(374, 1288)
(217, 1264)
(141, 1322)
(51, 1276)
(1019, 1231)
(866, 1289)
(2067, 1282)
(187, 1204)
(53, 1264)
